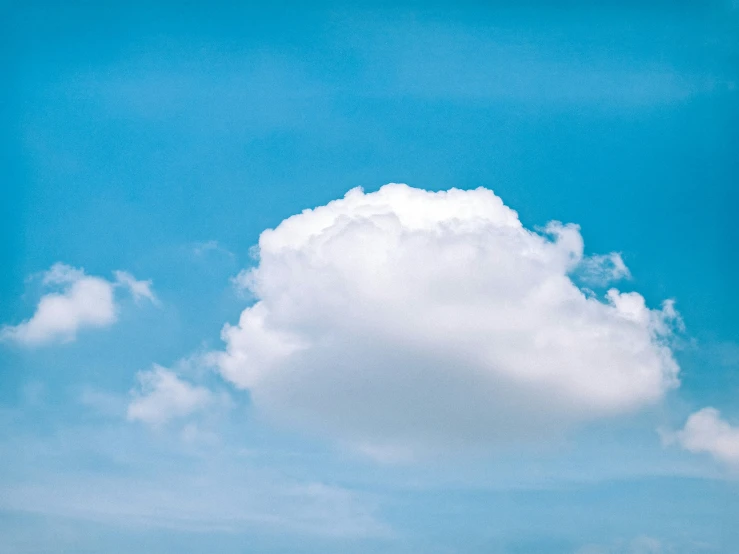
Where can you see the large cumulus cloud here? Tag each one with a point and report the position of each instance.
(405, 319)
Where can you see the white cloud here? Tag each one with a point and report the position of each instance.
(202, 248)
(602, 269)
(138, 289)
(705, 431)
(404, 319)
(162, 397)
(62, 274)
(84, 301)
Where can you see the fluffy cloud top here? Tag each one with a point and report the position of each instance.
(162, 397)
(705, 431)
(405, 319)
(83, 301)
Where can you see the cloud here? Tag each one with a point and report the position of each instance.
(242, 281)
(705, 431)
(138, 289)
(61, 274)
(406, 320)
(162, 397)
(599, 270)
(84, 301)
(200, 249)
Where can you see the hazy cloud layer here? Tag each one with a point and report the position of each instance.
(404, 319)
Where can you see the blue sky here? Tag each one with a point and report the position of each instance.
(345, 407)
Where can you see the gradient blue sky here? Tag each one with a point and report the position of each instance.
(162, 138)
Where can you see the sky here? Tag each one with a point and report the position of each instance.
(363, 277)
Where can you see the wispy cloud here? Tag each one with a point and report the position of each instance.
(139, 289)
(162, 396)
(200, 249)
(602, 269)
(161, 485)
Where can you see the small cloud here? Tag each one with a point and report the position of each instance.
(200, 249)
(602, 269)
(138, 289)
(705, 431)
(161, 396)
(83, 301)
